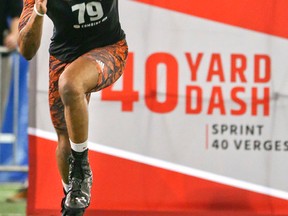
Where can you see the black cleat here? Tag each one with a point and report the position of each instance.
(66, 212)
(78, 196)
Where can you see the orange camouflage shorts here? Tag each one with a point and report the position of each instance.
(109, 62)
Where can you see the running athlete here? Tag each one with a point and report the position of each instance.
(88, 52)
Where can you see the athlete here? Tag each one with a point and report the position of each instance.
(88, 52)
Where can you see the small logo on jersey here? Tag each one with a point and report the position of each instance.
(101, 64)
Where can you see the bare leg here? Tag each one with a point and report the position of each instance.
(80, 77)
(63, 151)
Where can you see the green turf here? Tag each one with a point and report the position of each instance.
(11, 209)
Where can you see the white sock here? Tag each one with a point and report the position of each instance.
(65, 186)
(79, 147)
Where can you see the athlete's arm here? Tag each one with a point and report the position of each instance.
(30, 27)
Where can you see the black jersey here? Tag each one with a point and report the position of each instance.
(82, 25)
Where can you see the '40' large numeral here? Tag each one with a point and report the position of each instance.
(94, 10)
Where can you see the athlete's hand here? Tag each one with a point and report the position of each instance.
(10, 41)
(41, 6)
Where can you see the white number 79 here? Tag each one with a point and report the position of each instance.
(94, 10)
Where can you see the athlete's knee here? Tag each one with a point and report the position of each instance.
(69, 89)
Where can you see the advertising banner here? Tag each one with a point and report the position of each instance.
(197, 123)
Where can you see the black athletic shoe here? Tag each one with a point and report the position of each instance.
(66, 212)
(80, 183)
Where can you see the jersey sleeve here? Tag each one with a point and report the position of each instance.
(26, 13)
